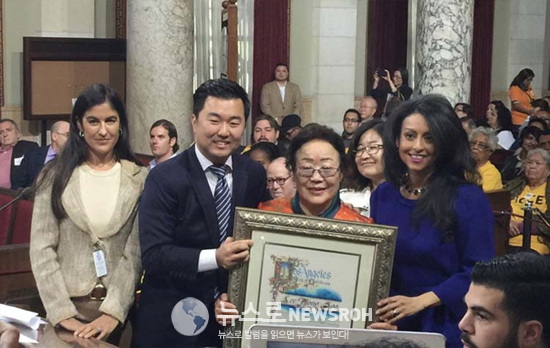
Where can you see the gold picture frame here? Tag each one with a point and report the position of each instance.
(306, 263)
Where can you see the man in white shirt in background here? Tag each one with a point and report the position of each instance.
(163, 141)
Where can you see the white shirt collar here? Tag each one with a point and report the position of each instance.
(206, 163)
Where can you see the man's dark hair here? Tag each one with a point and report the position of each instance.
(524, 278)
(221, 89)
(355, 111)
(466, 108)
(172, 131)
(540, 103)
(281, 64)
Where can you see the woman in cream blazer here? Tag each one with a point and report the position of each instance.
(84, 249)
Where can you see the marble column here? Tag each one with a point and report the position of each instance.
(159, 70)
(444, 48)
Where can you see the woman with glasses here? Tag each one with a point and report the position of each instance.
(483, 142)
(444, 220)
(317, 161)
(366, 151)
(84, 248)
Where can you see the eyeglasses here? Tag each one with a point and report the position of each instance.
(371, 150)
(353, 120)
(324, 172)
(279, 181)
(482, 146)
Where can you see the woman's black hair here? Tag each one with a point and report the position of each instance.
(529, 130)
(504, 116)
(521, 76)
(355, 181)
(270, 149)
(404, 76)
(314, 131)
(76, 150)
(454, 164)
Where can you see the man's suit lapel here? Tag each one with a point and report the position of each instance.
(240, 180)
(199, 183)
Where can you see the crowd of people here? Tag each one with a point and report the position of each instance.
(422, 166)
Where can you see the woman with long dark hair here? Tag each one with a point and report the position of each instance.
(399, 85)
(84, 247)
(499, 119)
(444, 220)
(521, 95)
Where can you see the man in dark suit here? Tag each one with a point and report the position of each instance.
(34, 160)
(12, 152)
(185, 237)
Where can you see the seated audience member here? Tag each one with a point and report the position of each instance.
(444, 220)
(264, 128)
(528, 140)
(508, 303)
(351, 121)
(9, 336)
(483, 142)
(540, 104)
(290, 127)
(464, 110)
(34, 160)
(12, 152)
(544, 115)
(367, 108)
(279, 179)
(468, 124)
(537, 122)
(263, 152)
(85, 209)
(366, 154)
(499, 119)
(281, 97)
(163, 142)
(317, 159)
(544, 140)
(532, 186)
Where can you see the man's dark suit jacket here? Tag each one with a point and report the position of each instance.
(19, 150)
(177, 219)
(31, 165)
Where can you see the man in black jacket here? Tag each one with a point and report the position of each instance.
(12, 152)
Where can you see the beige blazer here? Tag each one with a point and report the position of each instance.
(61, 254)
(272, 104)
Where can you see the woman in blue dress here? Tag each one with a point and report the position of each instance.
(445, 222)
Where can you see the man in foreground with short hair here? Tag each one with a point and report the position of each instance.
(34, 160)
(12, 152)
(508, 303)
(163, 140)
(186, 216)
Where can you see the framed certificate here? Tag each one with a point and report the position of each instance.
(309, 271)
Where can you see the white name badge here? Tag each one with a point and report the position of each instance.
(17, 161)
(100, 265)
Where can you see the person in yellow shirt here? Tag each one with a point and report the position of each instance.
(483, 142)
(533, 187)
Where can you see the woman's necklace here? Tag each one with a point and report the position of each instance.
(406, 182)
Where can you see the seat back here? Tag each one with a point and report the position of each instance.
(15, 219)
(499, 157)
(500, 201)
(5, 218)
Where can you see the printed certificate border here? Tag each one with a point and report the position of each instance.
(322, 234)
